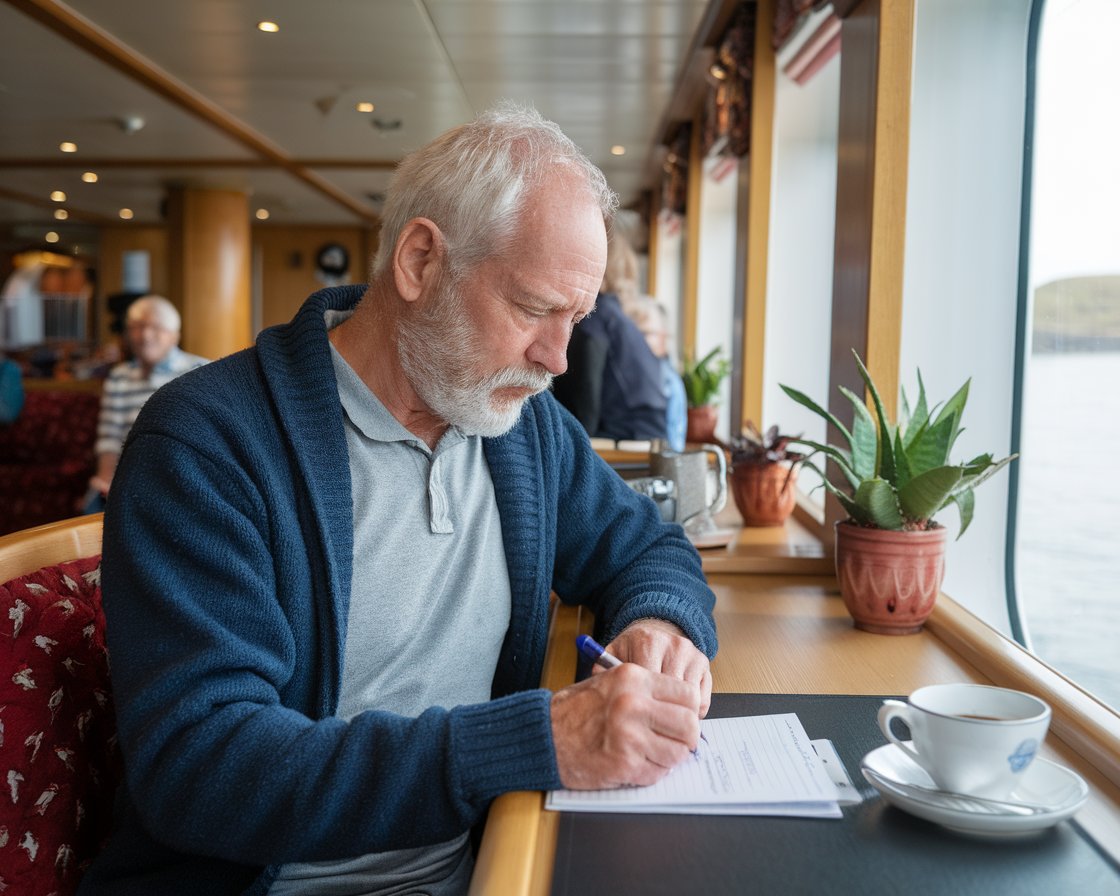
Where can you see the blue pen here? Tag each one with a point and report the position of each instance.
(595, 652)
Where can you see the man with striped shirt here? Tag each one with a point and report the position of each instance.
(152, 325)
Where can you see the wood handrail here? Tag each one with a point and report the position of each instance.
(31, 549)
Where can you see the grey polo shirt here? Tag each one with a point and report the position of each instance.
(430, 599)
(429, 608)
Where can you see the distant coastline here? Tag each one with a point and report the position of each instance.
(1050, 343)
(1077, 314)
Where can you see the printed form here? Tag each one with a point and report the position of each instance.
(749, 765)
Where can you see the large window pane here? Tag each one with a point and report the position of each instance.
(1068, 546)
(802, 234)
(961, 279)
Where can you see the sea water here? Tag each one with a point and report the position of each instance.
(1068, 551)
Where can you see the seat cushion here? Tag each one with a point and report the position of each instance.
(53, 427)
(59, 762)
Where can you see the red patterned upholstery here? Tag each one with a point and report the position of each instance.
(59, 762)
(46, 458)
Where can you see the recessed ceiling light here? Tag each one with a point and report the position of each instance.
(268, 27)
(60, 214)
(364, 107)
(89, 177)
(67, 146)
(618, 150)
(262, 214)
(58, 196)
(51, 237)
(126, 214)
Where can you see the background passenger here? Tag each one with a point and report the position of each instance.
(11, 390)
(613, 384)
(152, 329)
(653, 320)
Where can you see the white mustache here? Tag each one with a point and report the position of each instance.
(513, 377)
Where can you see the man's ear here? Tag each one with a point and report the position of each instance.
(418, 258)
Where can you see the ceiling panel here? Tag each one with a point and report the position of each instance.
(604, 70)
(575, 19)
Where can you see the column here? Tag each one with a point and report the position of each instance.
(210, 267)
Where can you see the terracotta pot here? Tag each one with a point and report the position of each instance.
(702, 423)
(764, 493)
(889, 580)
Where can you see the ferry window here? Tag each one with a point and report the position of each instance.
(802, 236)
(715, 286)
(1067, 548)
(961, 272)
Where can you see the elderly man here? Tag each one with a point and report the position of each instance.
(152, 326)
(328, 559)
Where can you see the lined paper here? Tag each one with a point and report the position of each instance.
(749, 765)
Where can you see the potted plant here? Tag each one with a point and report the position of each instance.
(702, 380)
(763, 475)
(892, 479)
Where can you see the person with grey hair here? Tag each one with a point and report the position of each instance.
(152, 329)
(328, 559)
(613, 384)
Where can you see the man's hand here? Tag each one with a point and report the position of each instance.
(662, 647)
(627, 725)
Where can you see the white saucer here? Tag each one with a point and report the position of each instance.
(1044, 783)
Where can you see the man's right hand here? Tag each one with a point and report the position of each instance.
(625, 726)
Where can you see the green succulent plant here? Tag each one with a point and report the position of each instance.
(702, 379)
(898, 476)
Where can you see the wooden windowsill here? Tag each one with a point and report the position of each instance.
(794, 547)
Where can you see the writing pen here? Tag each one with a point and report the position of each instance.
(597, 653)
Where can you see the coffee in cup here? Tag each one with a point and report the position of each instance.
(970, 738)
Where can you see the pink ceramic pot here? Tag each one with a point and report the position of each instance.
(764, 493)
(702, 424)
(889, 580)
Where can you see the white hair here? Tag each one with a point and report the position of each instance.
(472, 183)
(158, 307)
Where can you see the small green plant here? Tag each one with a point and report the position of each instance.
(898, 476)
(703, 378)
(757, 448)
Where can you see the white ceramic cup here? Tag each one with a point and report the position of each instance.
(970, 738)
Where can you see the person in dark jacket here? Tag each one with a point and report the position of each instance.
(11, 390)
(328, 559)
(614, 382)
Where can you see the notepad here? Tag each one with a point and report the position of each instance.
(748, 765)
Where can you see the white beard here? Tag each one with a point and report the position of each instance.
(440, 354)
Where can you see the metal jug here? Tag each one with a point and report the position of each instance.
(689, 470)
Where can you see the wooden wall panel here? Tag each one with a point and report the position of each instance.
(284, 259)
(758, 220)
(114, 242)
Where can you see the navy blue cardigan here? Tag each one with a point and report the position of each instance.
(226, 579)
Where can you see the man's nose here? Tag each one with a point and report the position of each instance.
(550, 348)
